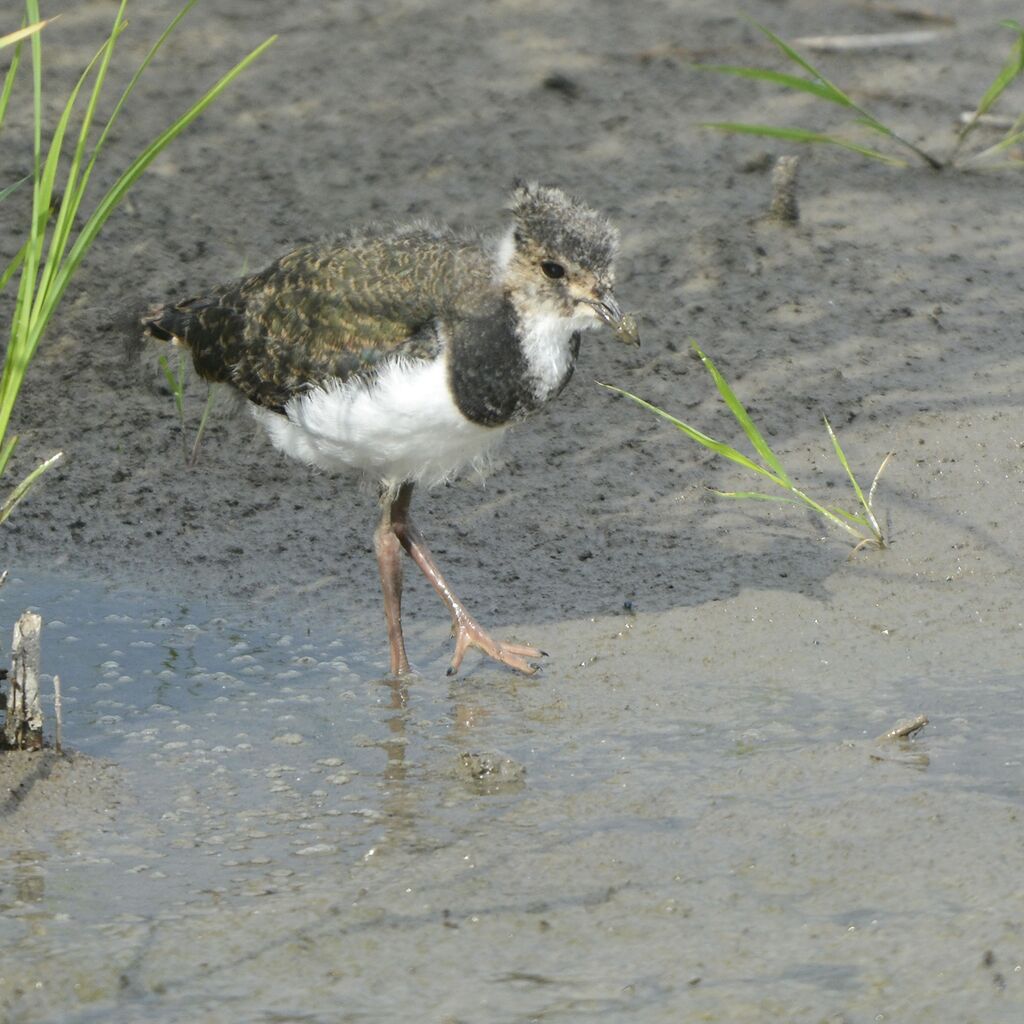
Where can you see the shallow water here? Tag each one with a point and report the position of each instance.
(299, 840)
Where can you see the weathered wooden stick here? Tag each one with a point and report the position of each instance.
(23, 728)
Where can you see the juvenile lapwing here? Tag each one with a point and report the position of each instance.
(405, 353)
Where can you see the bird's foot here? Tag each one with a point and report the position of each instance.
(469, 633)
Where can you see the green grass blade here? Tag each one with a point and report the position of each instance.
(73, 188)
(800, 135)
(33, 286)
(211, 398)
(718, 447)
(147, 60)
(875, 126)
(889, 456)
(856, 526)
(175, 386)
(4, 193)
(5, 451)
(850, 516)
(32, 10)
(1012, 67)
(778, 78)
(800, 499)
(15, 362)
(838, 95)
(154, 49)
(30, 262)
(69, 205)
(1010, 70)
(117, 191)
(828, 514)
(738, 409)
(22, 489)
(74, 195)
(841, 455)
(846, 465)
(8, 86)
(12, 267)
(1010, 140)
(778, 499)
(23, 33)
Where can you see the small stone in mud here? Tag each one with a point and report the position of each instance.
(563, 85)
(291, 739)
(492, 772)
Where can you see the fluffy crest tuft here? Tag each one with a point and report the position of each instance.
(559, 223)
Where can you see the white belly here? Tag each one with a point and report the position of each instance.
(404, 426)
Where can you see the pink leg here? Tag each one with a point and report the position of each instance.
(389, 562)
(466, 630)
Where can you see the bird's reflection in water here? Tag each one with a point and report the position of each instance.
(409, 795)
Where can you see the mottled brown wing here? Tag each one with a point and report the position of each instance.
(325, 312)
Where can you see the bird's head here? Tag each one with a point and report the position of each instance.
(558, 260)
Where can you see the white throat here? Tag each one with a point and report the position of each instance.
(547, 346)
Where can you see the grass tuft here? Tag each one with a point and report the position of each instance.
(53, 250)
(176, 382)
(863, 527)
(814, 82)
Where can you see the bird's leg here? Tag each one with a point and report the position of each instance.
(389, 562)
(466, 630)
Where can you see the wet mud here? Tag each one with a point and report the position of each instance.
(689, 814)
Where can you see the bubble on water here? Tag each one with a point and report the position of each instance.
(316, 850)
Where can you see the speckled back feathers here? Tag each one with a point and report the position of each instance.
(342, 309)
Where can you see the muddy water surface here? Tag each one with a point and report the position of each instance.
(273, 833)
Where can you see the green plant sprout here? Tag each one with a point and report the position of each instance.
(818, 85)
(176, 382)
(863, 528)
(49, 257)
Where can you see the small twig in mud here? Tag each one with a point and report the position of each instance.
(57, 715)
(987, 120)
(869, 41)
(905, 730)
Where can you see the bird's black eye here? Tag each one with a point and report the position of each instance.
(552, 269)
